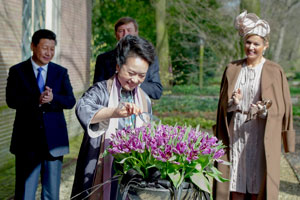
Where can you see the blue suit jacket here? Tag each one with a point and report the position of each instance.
(38, 128)
(106, 67)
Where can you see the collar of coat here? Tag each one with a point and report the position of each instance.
(234, 68)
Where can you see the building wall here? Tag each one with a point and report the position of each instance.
(10, 53)
(10, 39)
(75, 52)
(74, 35)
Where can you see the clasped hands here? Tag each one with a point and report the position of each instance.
(46, 96)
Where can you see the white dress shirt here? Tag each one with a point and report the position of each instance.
(35, 70)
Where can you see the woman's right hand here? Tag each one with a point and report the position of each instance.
(237, 96)
(126, 109)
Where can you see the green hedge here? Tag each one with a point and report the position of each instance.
(295, 91)
(212, 90)
(185, 104)
(296, 110)
(194, 122)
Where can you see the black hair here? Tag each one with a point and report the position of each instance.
(43, 34)
(134, 46)
(126, 20)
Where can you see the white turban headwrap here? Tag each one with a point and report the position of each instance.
(250, 23)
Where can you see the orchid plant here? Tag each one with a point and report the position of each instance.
(180, 153)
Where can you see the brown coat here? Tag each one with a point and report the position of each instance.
(279, 125)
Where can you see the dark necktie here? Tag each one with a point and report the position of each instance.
(40, 80)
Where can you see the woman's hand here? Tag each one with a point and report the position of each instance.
(237, 96)
(123, 110)
(126, 109)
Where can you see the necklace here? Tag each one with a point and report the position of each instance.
(127, 96)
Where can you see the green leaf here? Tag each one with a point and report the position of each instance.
(186, 134)
(198, 141)
(138, 169)
(159, 164)
(219, 178)
(172, 158)
(198, 167)
(173, 167)
(126, 168)
(203, 160)
(105, 153)
(216, 174)
(192, 168)
(170, 142)
(201, 181)
(176, 178)
(198, 128)
(152, 130)
(215, 170)
(131, 157)
(119, 157)
(141, 136)
(225, 162)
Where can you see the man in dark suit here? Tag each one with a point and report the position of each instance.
(106, 62)
(39, 90)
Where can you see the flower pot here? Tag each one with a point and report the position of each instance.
(138, 193)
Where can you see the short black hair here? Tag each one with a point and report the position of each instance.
(43, 34)
(134, 46)
(125, 20)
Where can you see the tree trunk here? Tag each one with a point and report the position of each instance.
(252, 6)
(201, 57)
(162, 43)
(297, 59)
(292, 5)
(294, 51)
(277, 53)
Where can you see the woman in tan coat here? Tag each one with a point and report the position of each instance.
(254, 115)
